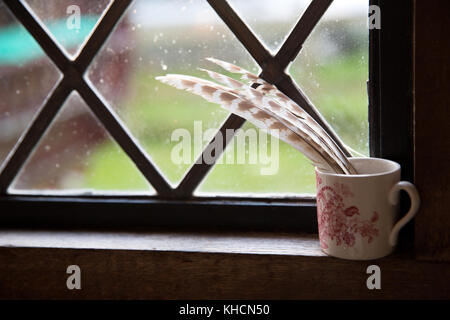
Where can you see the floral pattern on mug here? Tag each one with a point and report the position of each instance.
(339, 223)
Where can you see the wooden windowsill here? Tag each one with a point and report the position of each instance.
(140, 265)
(240, 243)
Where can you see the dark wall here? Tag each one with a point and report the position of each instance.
(432, 128)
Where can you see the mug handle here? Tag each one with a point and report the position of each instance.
(415, 203)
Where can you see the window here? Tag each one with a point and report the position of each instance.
(88, 97)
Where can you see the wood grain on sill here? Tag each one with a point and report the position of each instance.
(244, 243)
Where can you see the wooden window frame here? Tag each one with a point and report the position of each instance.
(178, 208)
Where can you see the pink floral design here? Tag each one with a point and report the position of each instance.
(351, 211)
(339, 223)
(343, 190)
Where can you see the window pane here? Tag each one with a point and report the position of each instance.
(271, 20)
(332, 69)
(160, 37)
(69, 21)
(27, 76)
(77, 156)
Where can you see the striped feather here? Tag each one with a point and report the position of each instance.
(292, 113)
(264, 118)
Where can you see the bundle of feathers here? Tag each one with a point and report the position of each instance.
(269, 109)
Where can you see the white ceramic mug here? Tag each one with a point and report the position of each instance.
(358, 214)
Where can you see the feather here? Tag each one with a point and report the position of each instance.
(294, 122)
(234, 101)
(247, 75)
(278, 98)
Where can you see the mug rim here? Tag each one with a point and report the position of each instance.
(396, 168)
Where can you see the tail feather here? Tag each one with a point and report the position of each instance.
(286, 111)
(269, 109)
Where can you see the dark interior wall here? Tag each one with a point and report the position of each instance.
(432, 128)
